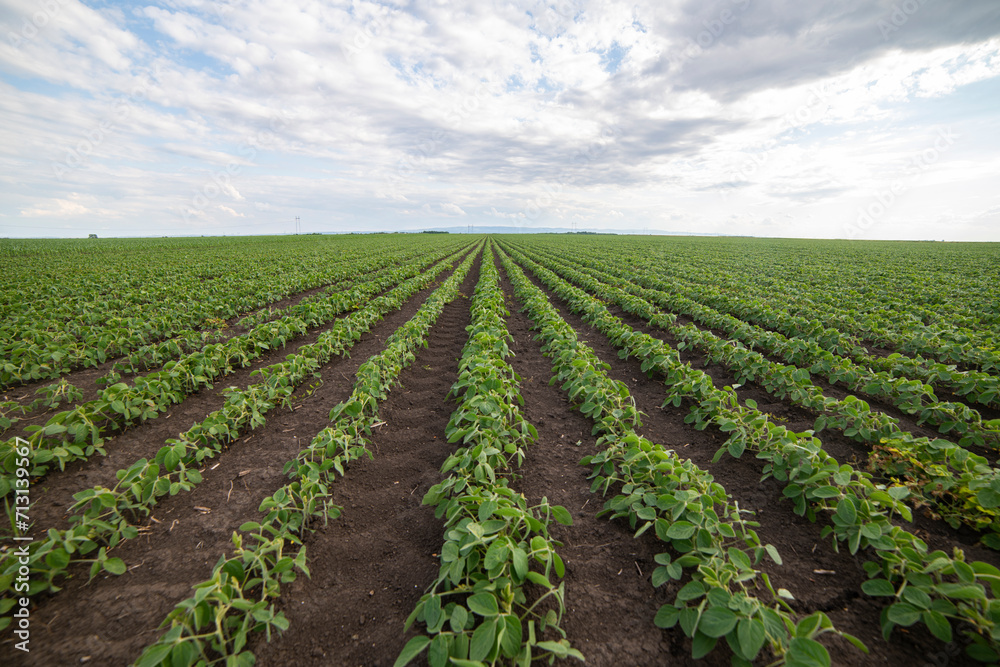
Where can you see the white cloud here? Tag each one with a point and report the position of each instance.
(452, 209)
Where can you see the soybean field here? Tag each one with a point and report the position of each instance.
(442, 449)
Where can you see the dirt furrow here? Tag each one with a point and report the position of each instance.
(370, 566)
(607, 570)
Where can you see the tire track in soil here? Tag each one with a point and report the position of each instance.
(84, 379)
(797, 539)
(145, 440)
(607, 570)
(371, 566)
(112, 618)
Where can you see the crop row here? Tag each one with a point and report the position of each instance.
(871, 302)
(959, 485)
(79, 433)
(911, 396)
(978, 386)
(101, 517)
(84, 323)
(478, 609)
(706, 531)
(157, 354)
(927, 587)
(212, 626)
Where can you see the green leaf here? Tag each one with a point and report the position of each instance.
(903, 613)
(459, 616)
(660, 577)
(847, 512)
(982, 653)
(520, 562)
(988, 498)
(437, 655)
(691, 591)
(702, 644)
(432, 611)
(773, 553)
(917, 597)
(717, 622)
(752, 636)
(114, 566)
(878, 588)
(667, 616)
(681, 530)
(964, 572)
(483, 604)
(412, 649)
(561, 515)
(513, 635)
(155, 655)
(805, 652)
(938, 625)
(483, 640)
(961, 591)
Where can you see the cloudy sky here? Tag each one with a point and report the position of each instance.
(848, 119)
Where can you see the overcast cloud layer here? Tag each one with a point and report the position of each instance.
(853, 119)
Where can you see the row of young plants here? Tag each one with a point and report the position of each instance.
(186, 342)
(78, 433)
(142, 359)
(899, 323)
(959, 485)
(213, 625)
(911, 396)
(156, 354)
(101, 517)
(488, 605)
(708, 535)
(50, 397)
(927, 587)
(974, 385)
(862, 301)
(111, 306)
